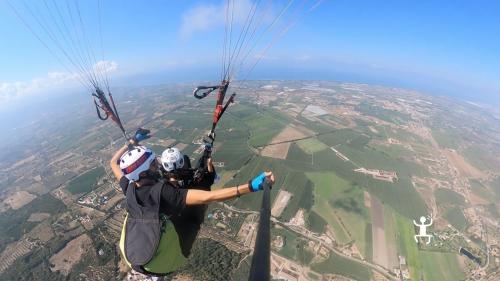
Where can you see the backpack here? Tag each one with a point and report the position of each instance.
(149, 242)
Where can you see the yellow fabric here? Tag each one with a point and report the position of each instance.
(122, 241)
(168, 257)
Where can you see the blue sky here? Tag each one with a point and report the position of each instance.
(443, 47)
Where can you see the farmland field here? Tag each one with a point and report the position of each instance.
(446, 196)
(441, 266)
(86, 181)
(388, 193)
(315, 222)
(263, 128)
(455, 217)
(445, 139)
(339, 265)
(294, 247)
(340, 203)
(481, 190)
(407, 246)
(311, 145)
(295, 153)
(495, 185)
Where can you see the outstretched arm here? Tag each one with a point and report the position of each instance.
(430, 222)
(415, 223)
(115, 167)
(199, 197)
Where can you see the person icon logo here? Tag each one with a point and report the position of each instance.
(423, 229)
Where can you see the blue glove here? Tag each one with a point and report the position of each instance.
(141, 134)
(207, 146)
(258, 182)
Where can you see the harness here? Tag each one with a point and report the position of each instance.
(149, 242)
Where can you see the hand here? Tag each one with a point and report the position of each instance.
(210, 165)
(140, 135)
(207, 146)
(258, 182)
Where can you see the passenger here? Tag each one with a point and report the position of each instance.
(176, 169)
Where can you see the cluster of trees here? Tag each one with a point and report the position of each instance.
(315, 222)
(93, 259)
(211, 260)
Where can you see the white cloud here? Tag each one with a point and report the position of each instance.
(205, 17)
(49, 82)
(106, 66)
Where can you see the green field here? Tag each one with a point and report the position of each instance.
(288, 250)
(445, 196)
(317, 127)
(369, 157)
(441, 266)
(232, 153)
(323, 191)
(479, 158)
(494, 210)
(339, 265)
(339, 202)
(359, 143)
(85, 182)
(302, 194)
(316, 223)
(407, 246)
(311, 145)
(295, 153)
(481, 190)
(495, 185)
(263, 127)
(455, 217)
(394, 151)
(294, 248)
(338, 137)
(387, 115)
(445, 139)
(388, 193)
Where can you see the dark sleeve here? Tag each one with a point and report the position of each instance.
(173, 200)
(187, 162)
(207, 180)
(124, 184)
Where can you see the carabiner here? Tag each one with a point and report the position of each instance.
(99, 115)
(206, 93)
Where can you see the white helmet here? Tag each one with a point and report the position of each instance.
(172, 159)
(136, 161)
